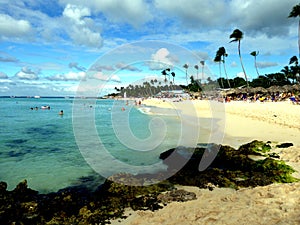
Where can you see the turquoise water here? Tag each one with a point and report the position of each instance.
(40, 145)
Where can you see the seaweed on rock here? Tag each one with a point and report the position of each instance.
(233, 168)
(78, 205)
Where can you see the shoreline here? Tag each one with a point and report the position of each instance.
(242, 123)
(210, 198)
(272, 204)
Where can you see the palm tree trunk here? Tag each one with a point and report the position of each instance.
(186, 77)
(226, 72)
(222, 85)
(239, 49)
(299, 38)
(256, 66)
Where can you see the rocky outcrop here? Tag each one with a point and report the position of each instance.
(233, 168)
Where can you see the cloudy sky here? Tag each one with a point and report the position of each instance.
(60, 47)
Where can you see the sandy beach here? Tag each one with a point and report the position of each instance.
(239, 122)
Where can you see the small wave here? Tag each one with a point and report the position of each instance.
(145, 110)
(158, 111)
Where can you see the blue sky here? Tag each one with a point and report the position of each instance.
(62, 47)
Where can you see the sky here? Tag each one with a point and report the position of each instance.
(66, 48)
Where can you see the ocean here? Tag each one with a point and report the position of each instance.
(91, 140)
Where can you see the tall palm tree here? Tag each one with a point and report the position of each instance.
(223, 54)
(294, 59)
(237, 36)
(295, 69)
(296, 13)
(197, 68)
(218, 60)
(164, 73)
(168, 73)
(186, 66)
(287, 73)
(255, 54)
(173, 75)
(202, 65)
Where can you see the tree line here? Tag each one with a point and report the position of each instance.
(287, 76)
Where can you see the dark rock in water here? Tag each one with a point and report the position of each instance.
(3, 187)
(284, 145)
(23, 192)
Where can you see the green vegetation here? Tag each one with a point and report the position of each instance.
(234, 168)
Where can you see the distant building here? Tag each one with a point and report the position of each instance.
(172, 94)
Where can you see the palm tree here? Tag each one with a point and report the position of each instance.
(202, 65)
(255, 54)
(287, 73)
(296, 13)
(186, 66)
(218, 60)
(164, 73)
(173, 75)
(295, 69)
(197, 68)
(223, 54)
(237, 36)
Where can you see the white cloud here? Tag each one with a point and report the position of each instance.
(80, 27)
(124, 66)
(71, 76)
(4, 89)
(10, 27)
(27, 73)
(26, 76)
(266, 64)
(240, 74)
(233, 64)
(76, 13)
(98, 75)
(115, 78)
(195, 12)
(3, 75)
(135, 12)
(161, 59)
(266, 16)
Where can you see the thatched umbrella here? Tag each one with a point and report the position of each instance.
(274, 88)
(296, 87)
(259, 90)
(287, 87)
(241, 90)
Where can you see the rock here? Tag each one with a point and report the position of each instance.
(176, 195)
(3, 187)
(284, 145)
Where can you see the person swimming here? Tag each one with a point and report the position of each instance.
(61, 112)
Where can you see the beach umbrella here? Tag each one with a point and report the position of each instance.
(275, 89)
(241, 90)
(296, 87)
(258, 90)
(287, 87)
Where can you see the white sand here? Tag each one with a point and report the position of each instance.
(242, 122)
